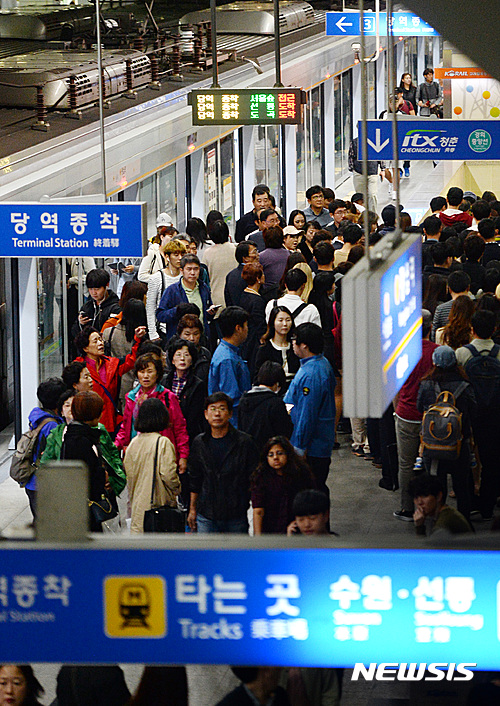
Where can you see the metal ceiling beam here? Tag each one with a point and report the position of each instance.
(452, 20)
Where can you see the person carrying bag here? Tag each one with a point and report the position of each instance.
(150, 465)
(165, 518)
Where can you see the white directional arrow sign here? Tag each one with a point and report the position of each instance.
(341, 24)
(377, 145)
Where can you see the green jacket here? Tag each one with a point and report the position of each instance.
(110, 453)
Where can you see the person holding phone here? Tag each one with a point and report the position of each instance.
(188, 289)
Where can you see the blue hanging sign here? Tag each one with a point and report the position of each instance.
(64, 230)
(404, 24)
(434, 139)
(318, 607)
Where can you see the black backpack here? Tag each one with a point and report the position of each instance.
(484, 373)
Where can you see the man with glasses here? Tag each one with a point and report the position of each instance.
(316, 210)
(338, 211)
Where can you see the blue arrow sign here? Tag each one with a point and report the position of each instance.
(434, 139)
(404, 24)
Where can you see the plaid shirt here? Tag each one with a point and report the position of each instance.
(178, 384)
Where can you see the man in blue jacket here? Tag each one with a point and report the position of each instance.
(228, 371)
(312, 395)
(188, 289)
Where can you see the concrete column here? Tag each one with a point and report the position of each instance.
(329, 146)
(248, 166)
(356, 95)
(197, 183)
(28, 326)
(381, 82)
(180, 185)
(290, 148)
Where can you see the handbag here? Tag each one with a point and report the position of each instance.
(164, 518)
(103, 509)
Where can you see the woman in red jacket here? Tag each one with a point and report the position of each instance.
(106, 371)
(149, 371)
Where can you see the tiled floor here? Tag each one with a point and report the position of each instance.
(424, 183)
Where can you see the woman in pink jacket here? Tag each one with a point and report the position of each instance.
(149, 370)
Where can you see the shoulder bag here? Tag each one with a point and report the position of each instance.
(165, 518)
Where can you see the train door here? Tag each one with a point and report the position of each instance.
(4, 386)
(343, 123)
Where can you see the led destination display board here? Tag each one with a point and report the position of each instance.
(247, 106)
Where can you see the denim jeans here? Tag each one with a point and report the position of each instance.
(206, 526)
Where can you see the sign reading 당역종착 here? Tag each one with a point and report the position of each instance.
(33, 229)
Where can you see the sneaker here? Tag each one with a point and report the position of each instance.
(419, 464)
(358, 451)
(405, 515)
(407, 172)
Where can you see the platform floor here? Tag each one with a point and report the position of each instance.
(360, 509)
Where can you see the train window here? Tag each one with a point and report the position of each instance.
(50, 316)
(227, 179)
(167, 192)
(147, 193)
(266, 141)
(211, 178)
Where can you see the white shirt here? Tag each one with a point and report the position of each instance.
(293, 301)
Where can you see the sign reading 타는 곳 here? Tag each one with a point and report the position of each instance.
(307, 607)
(60, 230)
(247, 106)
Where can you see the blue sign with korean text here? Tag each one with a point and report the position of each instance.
(434, 139)
(303, 607)
(401, 320)
(60, 230)
(404, 24)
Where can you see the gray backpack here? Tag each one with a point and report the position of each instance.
(22, 466)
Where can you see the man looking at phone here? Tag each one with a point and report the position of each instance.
(188, 289)
(100, 305)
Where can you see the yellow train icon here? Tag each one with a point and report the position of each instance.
(135, 605)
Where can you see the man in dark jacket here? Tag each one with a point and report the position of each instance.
(101, 304)
(219, 466)
(259, 685)
(245, 253)
(246, 224)
(261, 412)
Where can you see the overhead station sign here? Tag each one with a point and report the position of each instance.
(320, 607)
(60, 230)
(434, 139)
(404, 24)
(247, 106)
(382, 322)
